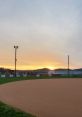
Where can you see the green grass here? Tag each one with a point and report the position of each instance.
(7, 111)
(6, 80)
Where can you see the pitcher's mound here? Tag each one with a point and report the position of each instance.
(45, 98)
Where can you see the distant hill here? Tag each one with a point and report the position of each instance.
(43, 70)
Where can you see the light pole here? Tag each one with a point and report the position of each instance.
(68, 66)
(15, 47)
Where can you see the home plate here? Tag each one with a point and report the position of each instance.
(45, 98)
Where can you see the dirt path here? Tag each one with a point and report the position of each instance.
(45, 98)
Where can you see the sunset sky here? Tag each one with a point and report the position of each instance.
(46, 31)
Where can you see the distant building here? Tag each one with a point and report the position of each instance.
(51, 72)
(65, 71)
(77, 72)
(41, 72)
(11, 75)
(62, 71)
(3, 76)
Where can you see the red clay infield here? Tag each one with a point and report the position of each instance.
(45, 98)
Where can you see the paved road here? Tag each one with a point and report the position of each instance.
(45, 98)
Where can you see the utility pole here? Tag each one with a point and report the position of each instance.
(68, 67)
(15, 47)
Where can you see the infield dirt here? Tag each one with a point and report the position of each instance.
(45, 98)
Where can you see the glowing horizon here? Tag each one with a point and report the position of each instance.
(51, 67)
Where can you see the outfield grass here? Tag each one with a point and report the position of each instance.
(6, 80)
